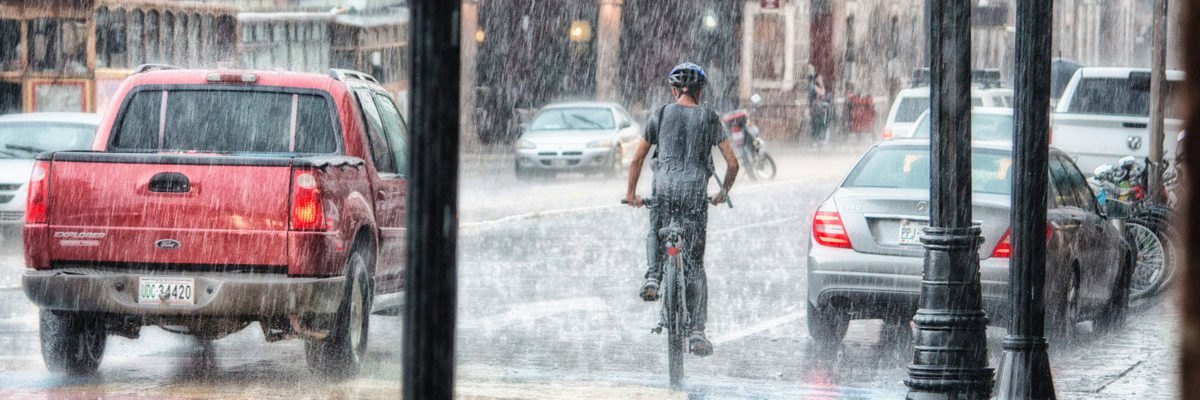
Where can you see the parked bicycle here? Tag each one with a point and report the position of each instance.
(1148, 227)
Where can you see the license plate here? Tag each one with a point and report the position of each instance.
(163, 290)
(910, 231)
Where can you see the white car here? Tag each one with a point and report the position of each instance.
(588, 137)
(912, 102)
(22, 137)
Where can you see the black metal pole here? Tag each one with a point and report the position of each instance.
(950, 351)
(1025, 368)
(431, 281)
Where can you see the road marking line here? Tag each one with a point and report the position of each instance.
(755, 225)
(527, 312)
(759, 327)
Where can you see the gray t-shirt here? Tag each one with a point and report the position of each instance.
(683, 143)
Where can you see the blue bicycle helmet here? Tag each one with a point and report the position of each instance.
(687, 76)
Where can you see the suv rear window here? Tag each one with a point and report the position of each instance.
(911, 108)
(908, 168)
(1119, 96)
(227, 121)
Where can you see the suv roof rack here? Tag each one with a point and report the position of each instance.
(342, 74)
(988, 77)
(152, 67)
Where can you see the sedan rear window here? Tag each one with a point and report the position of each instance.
(27, 139)
(573, 118)
(908, 168)
(983, 127)
(227, 121)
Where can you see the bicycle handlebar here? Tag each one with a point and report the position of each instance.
(650, 202)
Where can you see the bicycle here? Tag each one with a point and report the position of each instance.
(674, 316)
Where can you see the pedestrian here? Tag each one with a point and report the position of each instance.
(683, 134)
(819, 108)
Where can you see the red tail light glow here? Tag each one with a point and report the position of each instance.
(887, 133)
(39, 191)
(1004, 248)
(306, 203)
(829, 231)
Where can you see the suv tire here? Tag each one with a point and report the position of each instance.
(341, 354)
(72, 342)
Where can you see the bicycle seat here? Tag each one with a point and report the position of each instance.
(670, 231)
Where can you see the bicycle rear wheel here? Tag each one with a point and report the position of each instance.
(673, 301)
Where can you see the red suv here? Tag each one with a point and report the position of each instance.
(216, 198)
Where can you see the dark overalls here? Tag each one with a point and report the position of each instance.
(683, 138)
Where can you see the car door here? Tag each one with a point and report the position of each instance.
(389, 186)
(1067, 221)
(1095, 252)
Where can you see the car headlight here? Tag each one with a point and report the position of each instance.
(600, 143)
(525, 144)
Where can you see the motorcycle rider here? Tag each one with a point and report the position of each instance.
(683, 134)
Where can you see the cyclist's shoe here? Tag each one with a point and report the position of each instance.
(699, 345)
(649, 290)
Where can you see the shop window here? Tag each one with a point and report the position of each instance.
(10, 45)
(137, 50)
(180, 38)
(193, 40)
(850, 47)
(226, 37)
(58, 45)
(168, 37)
(151, 37)
(50, 97)
(769, 33)
(110, 38)
(208, 42)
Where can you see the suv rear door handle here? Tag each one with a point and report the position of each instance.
(169, 182)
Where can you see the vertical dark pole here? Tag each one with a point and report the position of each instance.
(950, 356)
(1025, 368)
(429, 309)
(1158, 100)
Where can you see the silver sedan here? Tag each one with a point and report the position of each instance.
(588, 137)
(865, 259)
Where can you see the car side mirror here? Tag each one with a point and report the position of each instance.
(626, 124)
(1116, 209)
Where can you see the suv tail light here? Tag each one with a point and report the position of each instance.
(1004, 248)
(306, 202)
(827, 229)
(39, 191)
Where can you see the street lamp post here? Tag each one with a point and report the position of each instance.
(1025, 368)
(431, 281)
(950, 338)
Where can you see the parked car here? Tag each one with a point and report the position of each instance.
(588, 137)
(1104, 115)
(987, 123)
(912, 102)
(23, 136)
(865, 259)
(253, 196)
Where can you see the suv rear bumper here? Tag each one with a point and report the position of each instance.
(216, 294)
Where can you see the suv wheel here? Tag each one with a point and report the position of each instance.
(341, 354)
(72, 342)
(827, 324)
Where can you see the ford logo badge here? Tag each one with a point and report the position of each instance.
(167, 244)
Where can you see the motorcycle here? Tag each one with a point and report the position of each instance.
(750, 149)
(1148, 227)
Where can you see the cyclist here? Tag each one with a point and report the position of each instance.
(683, 134)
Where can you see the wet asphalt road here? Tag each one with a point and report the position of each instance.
(548, 274)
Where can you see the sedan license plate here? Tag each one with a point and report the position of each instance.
(166, 290)
(910, 231)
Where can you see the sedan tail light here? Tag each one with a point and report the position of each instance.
(39, 194)
(887, 133)
(827, 229)
(1004, 248)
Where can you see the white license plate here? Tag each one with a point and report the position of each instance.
(165, 290)
(910, 231)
